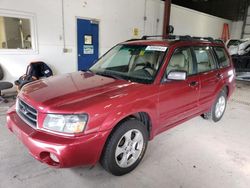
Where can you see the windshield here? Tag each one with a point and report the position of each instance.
(131, 62)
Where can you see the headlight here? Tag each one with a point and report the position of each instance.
(17, 104)
(65, 123)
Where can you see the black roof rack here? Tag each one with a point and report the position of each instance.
(173, 37)
(179, 37)
(210, 39)
(219, 41)
(133, 40)
(145, 37)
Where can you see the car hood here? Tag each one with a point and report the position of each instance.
(52, 93)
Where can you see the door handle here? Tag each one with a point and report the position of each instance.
(193, 84)
(219, 76)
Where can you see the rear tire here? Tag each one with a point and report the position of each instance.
(125, 147)
(218, 109)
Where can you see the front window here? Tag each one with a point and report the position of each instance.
(138, 63)
(181, 60)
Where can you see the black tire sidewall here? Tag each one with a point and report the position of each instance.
(108, 159)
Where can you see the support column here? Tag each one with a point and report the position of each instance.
(166, 19)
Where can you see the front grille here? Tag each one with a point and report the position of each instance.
(27, 113)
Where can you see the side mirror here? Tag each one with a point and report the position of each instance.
(177, 75)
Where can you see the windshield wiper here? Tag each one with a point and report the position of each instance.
(109, 74)
(87, 70)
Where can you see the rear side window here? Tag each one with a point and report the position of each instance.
(223, 59)
(204, 58)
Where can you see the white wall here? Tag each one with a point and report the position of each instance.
(191, 22)
(236, 29)
(246, 32)
(117, 20)
(154, 17)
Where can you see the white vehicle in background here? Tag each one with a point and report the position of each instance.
(239, 49)
(238, 46)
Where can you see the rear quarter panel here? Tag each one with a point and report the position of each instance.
(228, 75)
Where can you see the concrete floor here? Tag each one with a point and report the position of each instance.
(196, 154)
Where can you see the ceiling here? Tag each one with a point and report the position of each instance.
(228, 9)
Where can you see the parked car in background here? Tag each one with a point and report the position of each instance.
(219, 41)
(239, 49)
(134, 92)
(233, 42)
(238, 46)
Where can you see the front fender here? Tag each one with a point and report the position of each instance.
(121, 112)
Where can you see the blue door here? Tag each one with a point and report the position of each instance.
(87, 43)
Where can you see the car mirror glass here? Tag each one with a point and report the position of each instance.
(177, 75)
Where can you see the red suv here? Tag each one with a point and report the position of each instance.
(137, 90)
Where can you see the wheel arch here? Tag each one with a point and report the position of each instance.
(226, 89)
(142, 116)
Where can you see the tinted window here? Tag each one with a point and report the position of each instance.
(222, 57)
(181, 60)
(205, 61)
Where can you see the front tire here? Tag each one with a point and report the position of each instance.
(125, 147)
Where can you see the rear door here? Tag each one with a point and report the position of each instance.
(179, 99)
(209, 75)
(225, 67)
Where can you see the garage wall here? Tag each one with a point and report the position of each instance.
(116, 25)
(191, 22)
(117, 20)
(246, 32)
(236, 29)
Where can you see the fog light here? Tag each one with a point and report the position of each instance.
(54, 157)
(8, 118)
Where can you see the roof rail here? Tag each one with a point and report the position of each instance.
(145, 37)
(219, 41)
(132, 40)
(210, 39)
(179, 37)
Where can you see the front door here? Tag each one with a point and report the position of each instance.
(179, 99)
(87, 43)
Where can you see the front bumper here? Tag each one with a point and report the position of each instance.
(71, 151)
